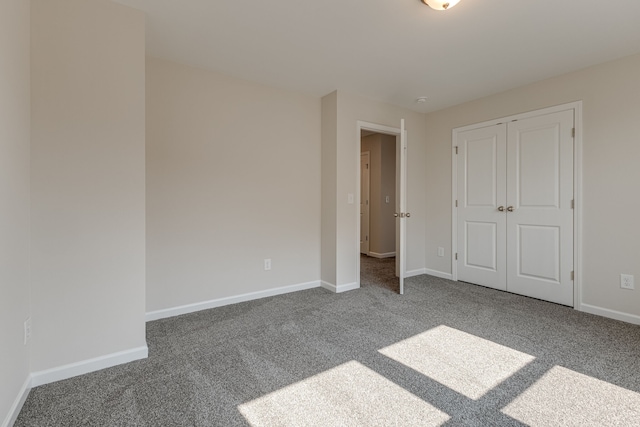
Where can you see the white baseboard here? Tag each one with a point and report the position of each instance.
(85, 366)
(347, 287)
(439, 274)
(14, 411)
(436, 273)
(383, 255)
(413, 273)
(611, 314)
(205, 305)
(340, 288)
(328, 286)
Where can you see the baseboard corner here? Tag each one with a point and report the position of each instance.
(339, 288)
(328, 286)
(347, 287)
(413, 273)
(16, 407)
(440, 274)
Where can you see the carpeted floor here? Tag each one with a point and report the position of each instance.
(444, 353)
(379, 272)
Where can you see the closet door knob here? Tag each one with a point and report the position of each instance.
(501, 208)
(510, 209)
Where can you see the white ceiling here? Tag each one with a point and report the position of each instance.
(392, 50)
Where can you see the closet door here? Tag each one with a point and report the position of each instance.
(540, 212)
(481, 206)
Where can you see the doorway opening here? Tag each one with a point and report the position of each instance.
(379, 191)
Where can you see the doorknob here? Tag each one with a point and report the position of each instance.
(396, 214)
(408, 215)
(510, 209)
(501, 208)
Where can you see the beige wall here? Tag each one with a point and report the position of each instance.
(349, 109)
(14, 200)
(87, 177)
(382, 167)
(329, 118)
(611, 148)
(233, 177)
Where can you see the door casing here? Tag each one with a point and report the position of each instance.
(577, 180)
(400, 169)
(365, 218)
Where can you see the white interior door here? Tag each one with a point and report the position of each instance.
(540, 212)
(365, 182)
(515, 206)
(481, 204)
(401, 206)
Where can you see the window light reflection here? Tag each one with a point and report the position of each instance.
(349, 394)
(568, 398)
(463, 362)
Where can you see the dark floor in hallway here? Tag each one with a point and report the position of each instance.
(379, 272)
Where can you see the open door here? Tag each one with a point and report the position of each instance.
(401, 205)
(401, 213)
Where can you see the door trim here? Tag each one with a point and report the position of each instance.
(577, 184)
(374, 127)
(368, 244)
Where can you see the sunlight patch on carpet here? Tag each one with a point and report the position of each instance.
(568, 398)
(460, 361)
(348, 395)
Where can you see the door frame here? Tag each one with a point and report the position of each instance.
(388, 130)
(368, 154)
(577, 187)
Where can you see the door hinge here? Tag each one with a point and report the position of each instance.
(572, 275)
(573, 204)
(456, 256)
(367, 165)
(573, 132)
(456, 203)
(456, 149)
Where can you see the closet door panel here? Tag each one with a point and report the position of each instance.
(481, 192)
(540, 215)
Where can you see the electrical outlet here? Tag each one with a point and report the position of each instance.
(626, 281)
(27, 330)
(267, 264)
(440, 251)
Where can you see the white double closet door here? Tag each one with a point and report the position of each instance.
(515, 206)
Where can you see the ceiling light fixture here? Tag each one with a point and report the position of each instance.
(440, 4)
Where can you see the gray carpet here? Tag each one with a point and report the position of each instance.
(444, 353)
